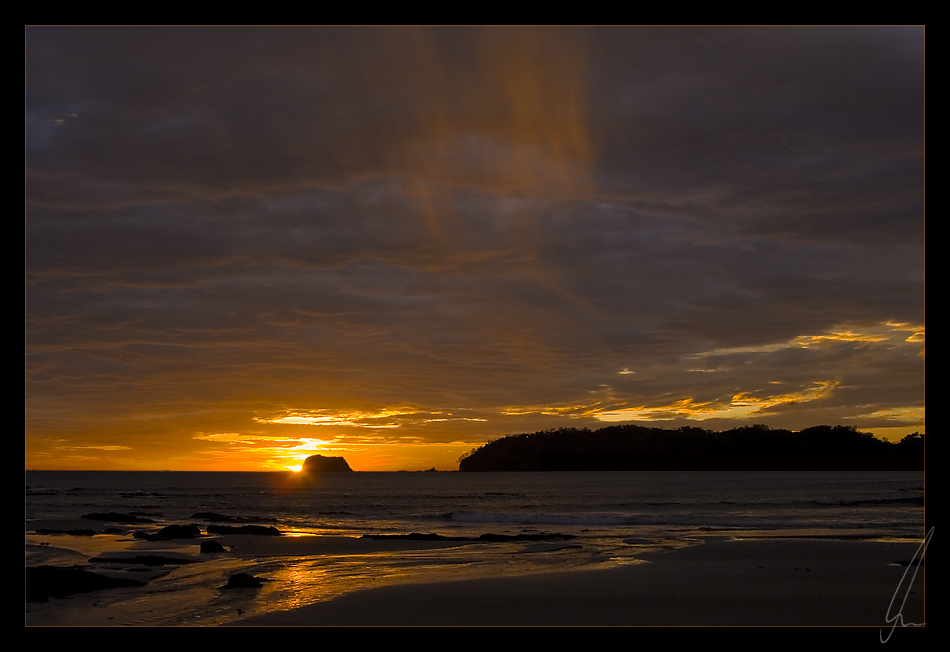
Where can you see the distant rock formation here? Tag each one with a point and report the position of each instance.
(319, 463)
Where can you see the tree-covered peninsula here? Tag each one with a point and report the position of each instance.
(749, 448)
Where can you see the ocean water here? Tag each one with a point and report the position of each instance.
(613, 517)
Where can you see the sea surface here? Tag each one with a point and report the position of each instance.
(613, 518)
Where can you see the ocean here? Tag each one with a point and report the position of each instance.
(611, 518)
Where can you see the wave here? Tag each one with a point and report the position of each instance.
(545, 519)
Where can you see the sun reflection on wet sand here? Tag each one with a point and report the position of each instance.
(194, 594)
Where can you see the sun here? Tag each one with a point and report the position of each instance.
(295, 468)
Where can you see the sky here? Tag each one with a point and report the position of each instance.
(246, 245)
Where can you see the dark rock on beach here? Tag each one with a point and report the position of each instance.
(176, 532)
(44, 582)
(243, 581)
(212, 546)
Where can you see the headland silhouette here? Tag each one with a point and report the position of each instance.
(749, 448)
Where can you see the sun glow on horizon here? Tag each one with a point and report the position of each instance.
(269, 451)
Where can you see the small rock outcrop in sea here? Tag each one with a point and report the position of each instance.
(319, 463)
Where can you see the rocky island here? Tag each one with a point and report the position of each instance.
(320, 464)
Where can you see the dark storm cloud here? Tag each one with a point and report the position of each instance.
(813, 133)
(263, 220)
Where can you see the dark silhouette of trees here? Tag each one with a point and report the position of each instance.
(913, 443)
(637, 447)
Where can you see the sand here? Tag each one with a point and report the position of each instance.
(775, 582)
(721, 582)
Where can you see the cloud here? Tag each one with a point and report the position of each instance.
(483, 223)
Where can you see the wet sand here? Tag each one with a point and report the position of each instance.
(722, 582)
(192, 588)
(774, 582)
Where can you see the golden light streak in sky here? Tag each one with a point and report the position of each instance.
(741, 405)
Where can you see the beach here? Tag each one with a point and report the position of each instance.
(478, 549)
(717, 581)
(754, 582)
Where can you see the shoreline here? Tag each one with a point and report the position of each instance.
(743, 582)
(608, 533)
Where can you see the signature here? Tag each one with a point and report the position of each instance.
(915, 562)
